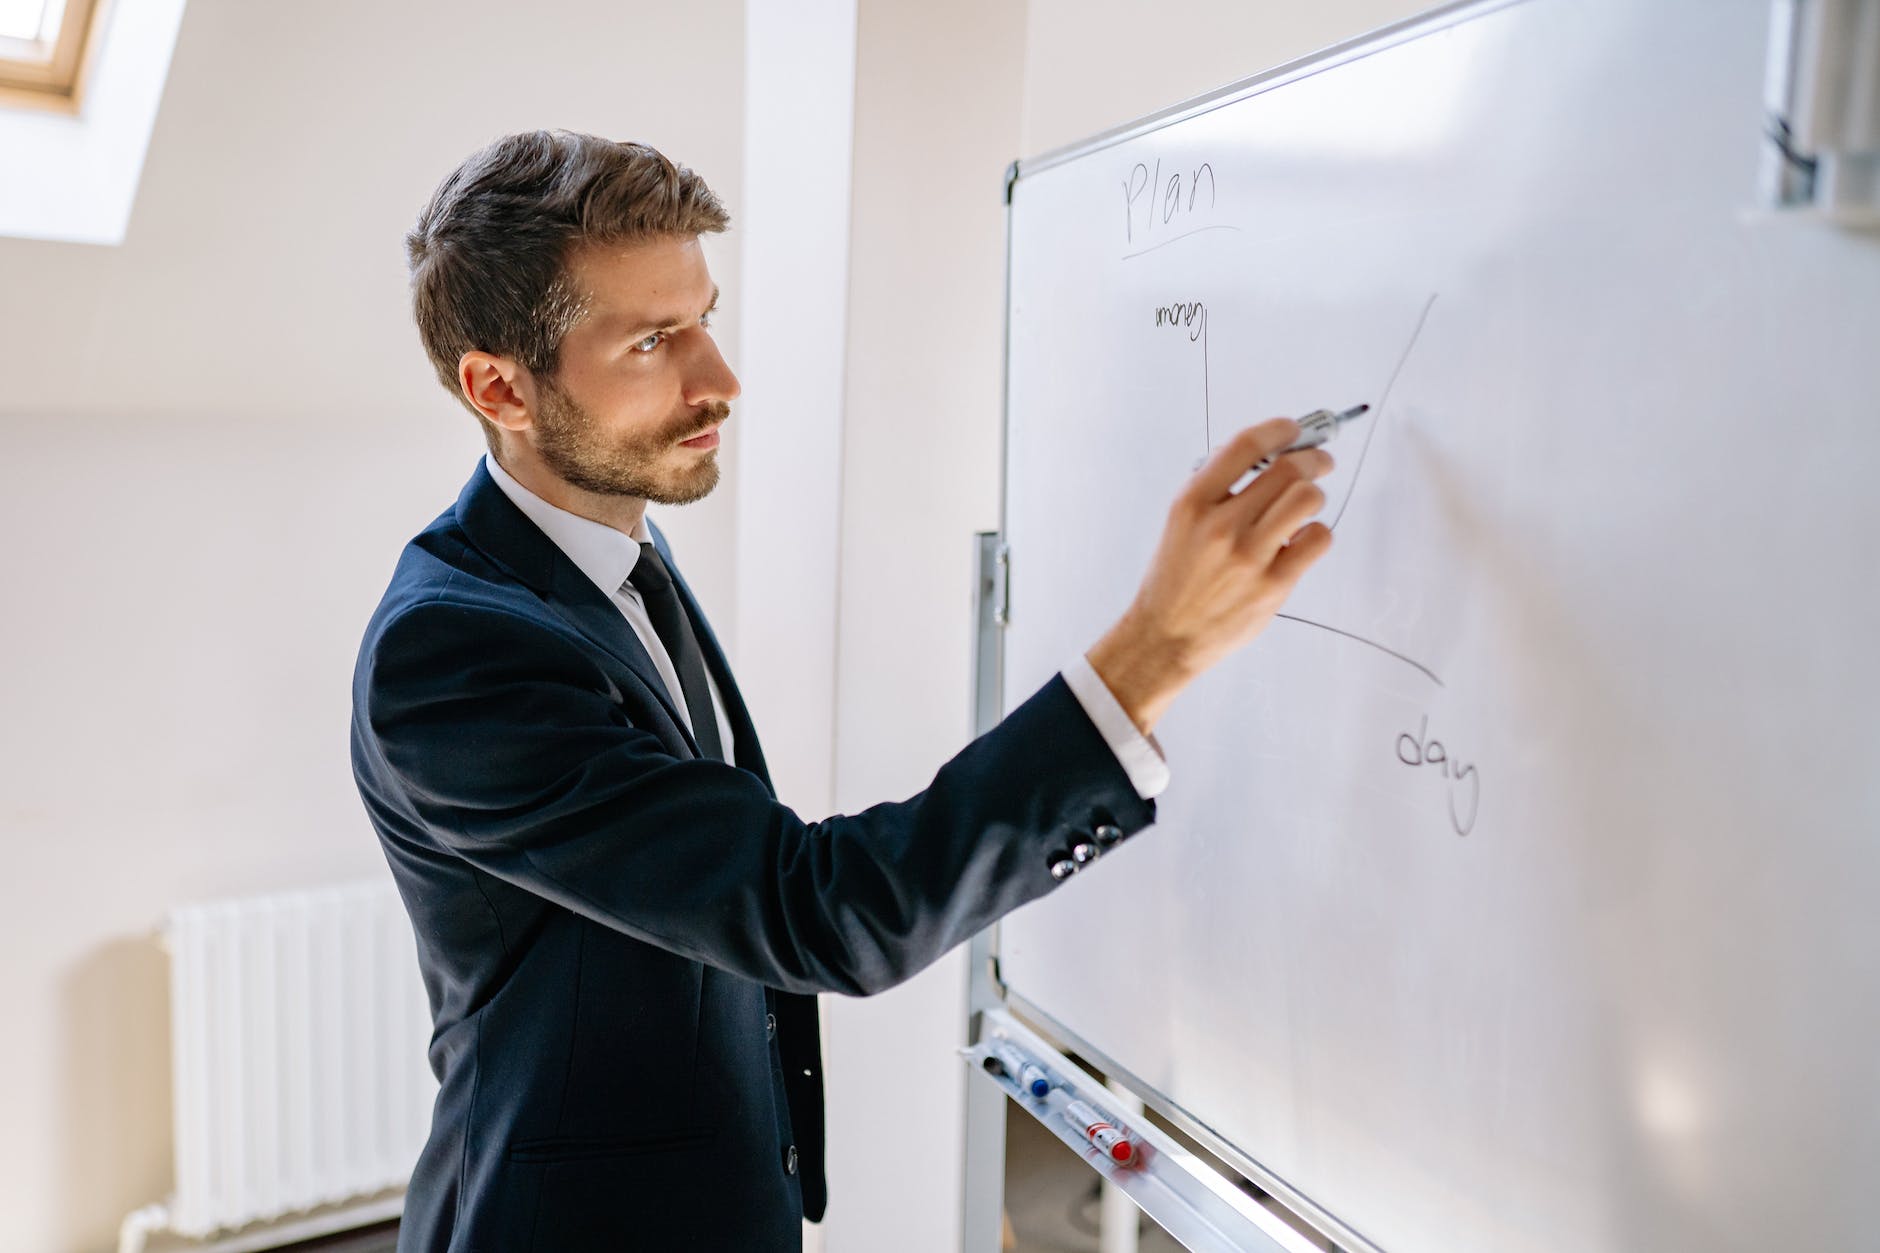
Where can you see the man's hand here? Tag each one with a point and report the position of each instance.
(1225, 565)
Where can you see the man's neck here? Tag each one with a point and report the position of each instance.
(622, 513)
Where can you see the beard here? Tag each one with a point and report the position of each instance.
(572, 445)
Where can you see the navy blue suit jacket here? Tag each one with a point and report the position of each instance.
(622, 941)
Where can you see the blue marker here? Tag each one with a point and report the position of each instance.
(1003, 1059)
(1036, 1080)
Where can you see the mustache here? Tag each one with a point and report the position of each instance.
(711, 414)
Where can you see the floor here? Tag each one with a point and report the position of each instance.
(1051, 1199)
(379, 1238)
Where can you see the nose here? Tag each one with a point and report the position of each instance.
(708, 378)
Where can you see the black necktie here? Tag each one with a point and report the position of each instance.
(654, 583)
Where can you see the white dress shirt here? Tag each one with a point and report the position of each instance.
(607, 557)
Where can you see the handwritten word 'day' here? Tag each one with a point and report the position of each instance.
(1150, 203)
(1421, 750)
(1190, 315)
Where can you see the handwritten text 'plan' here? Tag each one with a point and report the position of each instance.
(1155, 205)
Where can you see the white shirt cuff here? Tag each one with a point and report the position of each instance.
(1139, 754)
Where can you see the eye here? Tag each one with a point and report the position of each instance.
(650, 342)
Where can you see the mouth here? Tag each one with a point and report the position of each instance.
(708, 440)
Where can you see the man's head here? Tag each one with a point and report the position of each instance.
(559, 286)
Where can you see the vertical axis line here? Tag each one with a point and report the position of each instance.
(1207, 404)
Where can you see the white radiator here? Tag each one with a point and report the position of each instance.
(298, 1032)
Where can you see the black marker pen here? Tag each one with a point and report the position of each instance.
(1317, 428)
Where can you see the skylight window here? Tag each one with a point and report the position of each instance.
(42, 51)
(29, 21)
(74, 177)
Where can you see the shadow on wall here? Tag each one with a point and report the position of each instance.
(114, 1150)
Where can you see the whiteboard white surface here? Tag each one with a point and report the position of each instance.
(1601, 972)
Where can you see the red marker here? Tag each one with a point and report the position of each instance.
(1109, 1140)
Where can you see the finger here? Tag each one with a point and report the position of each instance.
(1306, 546)
(1259, 466)
(1253, 500)
(1292, 510)
(1233, 459)
(1313, 463)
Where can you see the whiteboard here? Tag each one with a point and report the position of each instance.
(1518, 893)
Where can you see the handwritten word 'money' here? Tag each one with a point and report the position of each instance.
(1421, 750)
(1191, 315)
(1151, 204)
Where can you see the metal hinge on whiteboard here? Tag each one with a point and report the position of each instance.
(1823, 103)
(1002, 587)
(992, 591)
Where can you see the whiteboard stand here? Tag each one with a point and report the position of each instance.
(1823, 104)
(983, 1177)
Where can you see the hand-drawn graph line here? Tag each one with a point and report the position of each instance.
(1381, 409)
(1409, 661)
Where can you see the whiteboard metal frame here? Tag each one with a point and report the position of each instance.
(1439, 17)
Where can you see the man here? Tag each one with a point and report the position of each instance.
(621, 930)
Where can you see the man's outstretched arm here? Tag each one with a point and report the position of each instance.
(477, 729)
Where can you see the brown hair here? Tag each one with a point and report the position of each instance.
(489, 254)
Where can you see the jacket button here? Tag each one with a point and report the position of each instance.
(770, 1026)
(1108, 834)
(789, 1160)
(1084, 853)
(1062, 867)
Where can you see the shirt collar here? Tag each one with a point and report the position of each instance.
(604, 555)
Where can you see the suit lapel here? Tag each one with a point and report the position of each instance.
(744, 733)
(505, 534)
(575, 598)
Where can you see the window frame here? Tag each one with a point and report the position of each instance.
(56, 81)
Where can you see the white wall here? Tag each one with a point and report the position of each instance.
(217, 437)
(1094, 64)
(936, 119)
(799, 133)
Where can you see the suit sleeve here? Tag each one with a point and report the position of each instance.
(509, 746)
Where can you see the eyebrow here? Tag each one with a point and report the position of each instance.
(635, 334)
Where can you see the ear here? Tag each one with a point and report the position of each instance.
(499, 388)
